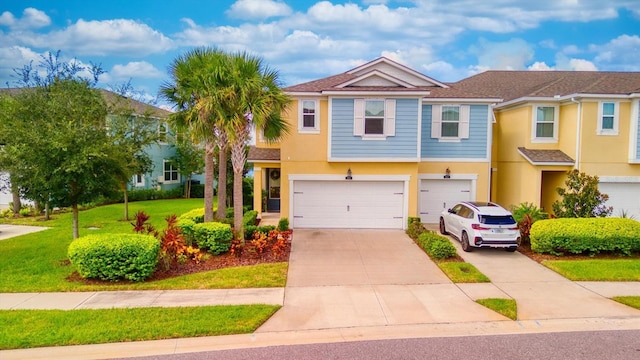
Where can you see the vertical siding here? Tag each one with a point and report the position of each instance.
(345, 145)
(473, 147)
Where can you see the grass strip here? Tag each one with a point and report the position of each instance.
(633, 301)
(506, 307)
(462, 272)
(597, 269)
(37, 328)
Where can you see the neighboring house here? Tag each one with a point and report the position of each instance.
(373, 146)
(554, 121)
(382, 142)
(164, 175)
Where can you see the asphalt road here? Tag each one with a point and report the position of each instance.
(601, 345)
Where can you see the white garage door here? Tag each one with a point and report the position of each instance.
(623, 197)
(348, 204)
(440, 194)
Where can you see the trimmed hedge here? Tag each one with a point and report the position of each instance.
(215, 237)
(250, 218)
(250, 230)
(435, 245)
(586, 235)
(195, 215)
(186, 227)
(115, 256)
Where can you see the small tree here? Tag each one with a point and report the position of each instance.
(189, 159)
(581, 197)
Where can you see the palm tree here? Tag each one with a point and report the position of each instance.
(257, 101)
(197, 89)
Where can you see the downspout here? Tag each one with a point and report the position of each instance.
(578, 132)
(492, 122)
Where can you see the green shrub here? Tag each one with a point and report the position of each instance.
(213, 236)
(115, 256)
(435, 245)
(441, 249)
(415, 228)
(186, 227)
(586, 235)
(283, 224)
(195, 215)
(229, 211)
(250, 218)
(526, 214)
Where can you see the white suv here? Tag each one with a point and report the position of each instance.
(483, 224)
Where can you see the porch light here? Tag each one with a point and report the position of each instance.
(447, 174)
(348, 177)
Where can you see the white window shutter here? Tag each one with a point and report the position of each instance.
(464, 122)
(436, 121)
(390, 117)
(358, 117)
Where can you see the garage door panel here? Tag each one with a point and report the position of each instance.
(623, 197)
(348, 204)
(437, 195)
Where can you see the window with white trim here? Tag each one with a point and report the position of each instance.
(138, 180)
(308, 116)
(163, 132)
(608, 118)
(171, 174)
(374, 118)
(449, 122)
(545, 123)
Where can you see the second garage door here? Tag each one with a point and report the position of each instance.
(440, 194)
(348, 204)
(623, 197)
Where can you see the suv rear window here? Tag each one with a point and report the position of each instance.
(497, 220)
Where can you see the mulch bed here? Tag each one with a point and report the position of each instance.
(525, 249)
(214, 262)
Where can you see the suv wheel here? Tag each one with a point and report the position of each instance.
(443, 229)
(511, 249)
(465, 242)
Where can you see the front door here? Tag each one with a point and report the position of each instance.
(273, 190)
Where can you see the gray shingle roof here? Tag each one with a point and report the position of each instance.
(545, 157)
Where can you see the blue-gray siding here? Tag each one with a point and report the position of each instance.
(403, 145)
(473, 147)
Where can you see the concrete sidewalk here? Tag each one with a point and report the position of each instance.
(350, 285)
(8, 231)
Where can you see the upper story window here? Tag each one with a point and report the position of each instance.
(163, 132)
(308, 116)
(608, 118)
(545, 123)
(171, 174)
(450, 122)
(374, 118)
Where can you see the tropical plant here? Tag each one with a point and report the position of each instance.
(581, 197)
(197, 89)
(526, 214)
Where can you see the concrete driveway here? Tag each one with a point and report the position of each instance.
(349, 278)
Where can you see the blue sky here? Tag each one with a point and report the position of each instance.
(448, 40)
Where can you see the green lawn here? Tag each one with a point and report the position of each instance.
(462, 272)
(37, 262)
(36, 328)
(597, 269)
(633, 301)
(506, 307)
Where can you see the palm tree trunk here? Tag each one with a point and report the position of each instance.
(238, 159)
(222, 181)
(208, 182)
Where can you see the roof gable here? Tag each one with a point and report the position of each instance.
(395, 70)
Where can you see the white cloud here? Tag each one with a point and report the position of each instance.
(539, 66)
(619, 54)
(15, 57)
(107, 37)
(138, 69)
(31, 19)
(509, 55)
(258, 9)
(582, 65)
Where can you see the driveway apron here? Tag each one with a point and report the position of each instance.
(348, 278)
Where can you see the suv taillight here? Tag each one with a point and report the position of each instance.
(478, 227)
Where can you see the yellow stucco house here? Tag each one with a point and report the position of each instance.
(380, 143)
